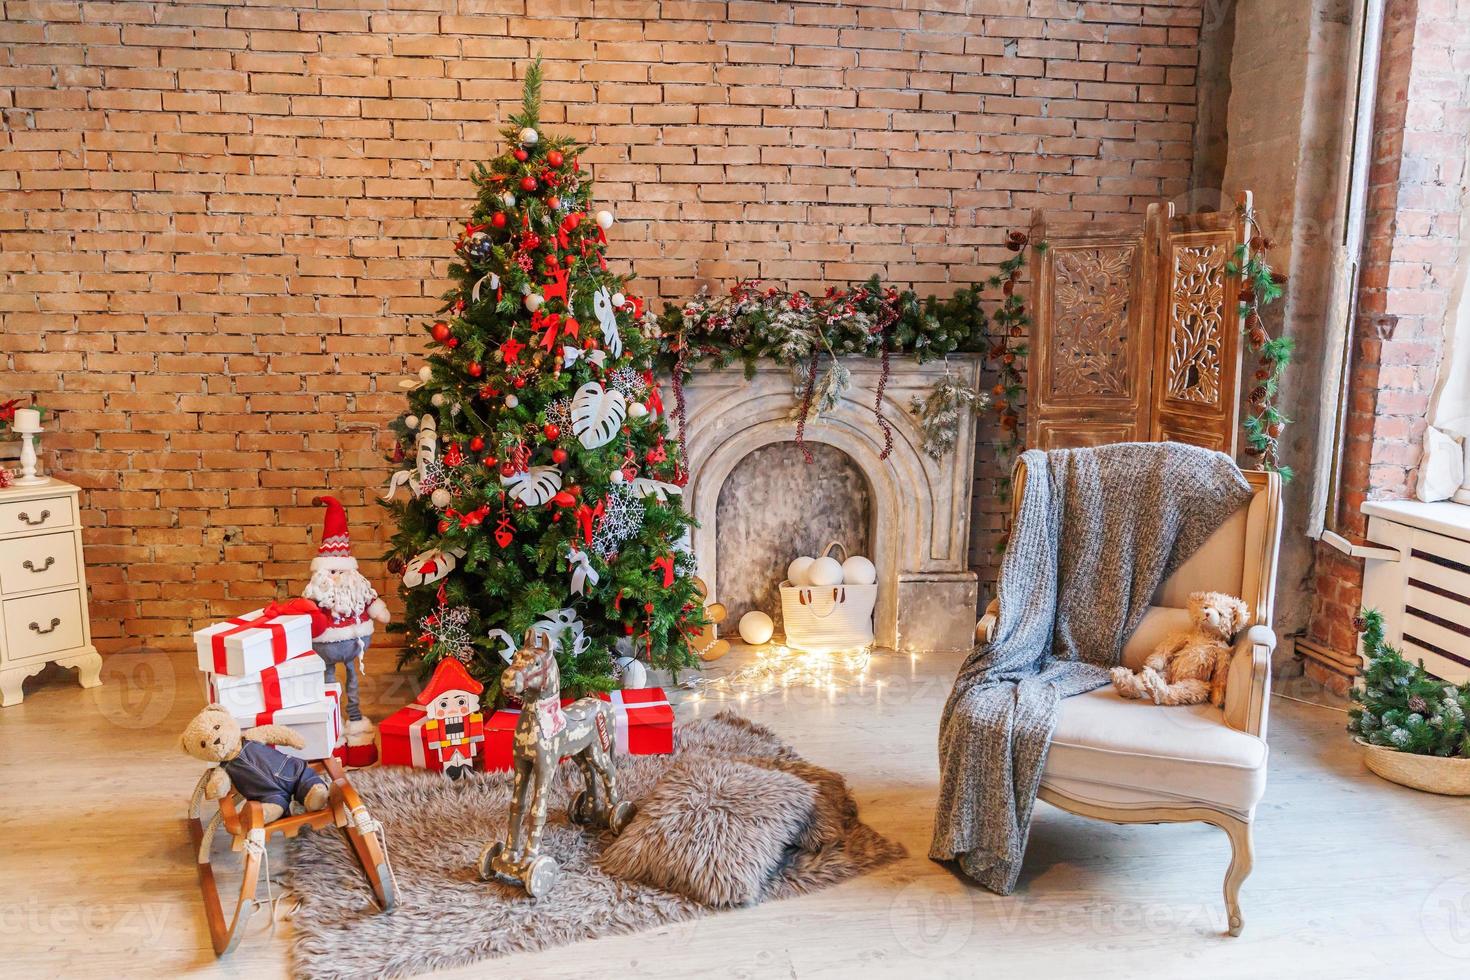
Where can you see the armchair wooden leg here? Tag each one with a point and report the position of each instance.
(1241, 860)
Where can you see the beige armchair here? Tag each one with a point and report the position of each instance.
(1135, 762)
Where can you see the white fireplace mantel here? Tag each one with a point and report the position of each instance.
(921, 506)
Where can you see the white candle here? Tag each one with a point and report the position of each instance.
(27, 419)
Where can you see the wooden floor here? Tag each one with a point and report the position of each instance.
(1354, 877)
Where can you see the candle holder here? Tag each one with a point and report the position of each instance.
(28, 477)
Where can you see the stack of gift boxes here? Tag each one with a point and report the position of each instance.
(261, 667)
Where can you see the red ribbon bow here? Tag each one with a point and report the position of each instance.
(586, 516)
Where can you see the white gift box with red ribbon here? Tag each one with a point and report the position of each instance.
(250, 643)
(300, 680)
(319, 723)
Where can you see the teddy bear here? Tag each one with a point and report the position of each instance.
(1190, 666)
(248, 764)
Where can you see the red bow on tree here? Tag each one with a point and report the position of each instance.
(586, 516)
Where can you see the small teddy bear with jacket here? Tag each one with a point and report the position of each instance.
(1190, 666)
(248, 764)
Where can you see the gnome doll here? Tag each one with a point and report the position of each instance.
(342, 630)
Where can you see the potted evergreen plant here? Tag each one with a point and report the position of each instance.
(1412, 725)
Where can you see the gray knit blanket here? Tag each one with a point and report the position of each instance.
(1097, 530)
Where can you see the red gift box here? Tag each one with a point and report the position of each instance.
(408, 737)
(643, 723)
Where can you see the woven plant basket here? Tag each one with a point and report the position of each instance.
(824, 618)
(1430, 773)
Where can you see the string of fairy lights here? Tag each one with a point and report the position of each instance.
(777, 669)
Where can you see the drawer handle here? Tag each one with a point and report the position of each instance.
(50, 560)
(50, 629)
(40, 520)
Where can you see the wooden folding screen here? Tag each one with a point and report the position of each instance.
(1137, 330)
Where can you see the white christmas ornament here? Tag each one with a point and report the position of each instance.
(756, 628)
(597, 414)
(857, 570)
(616, 476)
(436, 399)
(529, 136)
(633, 674)
(426, 373)
(533, 302)
(412, 421)
(511, 401)
(602, 305)
(619, 299)
(798, 571)
(508, 199)
(825, 571)
(441, 498)
(604, 220)
(637, 410)
(535, 486)
(430, 566)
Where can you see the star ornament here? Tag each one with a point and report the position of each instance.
(510, 351)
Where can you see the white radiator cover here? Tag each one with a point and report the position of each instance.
(1423, 593)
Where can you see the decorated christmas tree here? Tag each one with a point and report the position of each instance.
(545, 489)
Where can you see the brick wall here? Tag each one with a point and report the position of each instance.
(220, 221)
(1411, 246)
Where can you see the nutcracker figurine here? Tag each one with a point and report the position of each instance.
(453, 724)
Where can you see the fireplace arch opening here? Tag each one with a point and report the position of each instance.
(774, 506)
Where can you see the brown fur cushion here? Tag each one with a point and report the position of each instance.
(714, 830)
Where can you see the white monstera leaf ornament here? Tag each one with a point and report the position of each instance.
(430, 566)
(657, 489)
(597, 414)
(533, 487)
(607, 318)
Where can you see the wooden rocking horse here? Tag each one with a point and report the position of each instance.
(546, 733)
(245, 823)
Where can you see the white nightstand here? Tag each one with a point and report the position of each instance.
(43, 588)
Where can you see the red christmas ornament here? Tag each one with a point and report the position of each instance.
(564, 499)
(453, 343)
(475, 370)
(520, 382)
(554, 158)
(589, 344)
(507, 469)
(558, 456)
(491, 462)
(528, 184)
(440, 332)
(476, 444)
(443, 527)
(521, 155)
(498, 219)
(551, 431)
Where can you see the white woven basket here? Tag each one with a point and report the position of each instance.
(828, 617)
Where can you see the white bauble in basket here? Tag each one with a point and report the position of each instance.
(857, 570)
(798, 572)
(825, 571)
(756, 628)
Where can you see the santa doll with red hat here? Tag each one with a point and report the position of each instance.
(348, 608)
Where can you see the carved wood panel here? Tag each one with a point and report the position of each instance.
(1137, 330)
(1091, 353)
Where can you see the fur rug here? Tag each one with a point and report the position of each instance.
(446, 916)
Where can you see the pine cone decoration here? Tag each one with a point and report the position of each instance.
(1417, 704)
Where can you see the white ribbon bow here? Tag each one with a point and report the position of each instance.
(569, 356)
(583, 574)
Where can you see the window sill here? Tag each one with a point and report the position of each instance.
(1444, 517)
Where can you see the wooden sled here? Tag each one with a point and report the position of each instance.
(245, 822)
